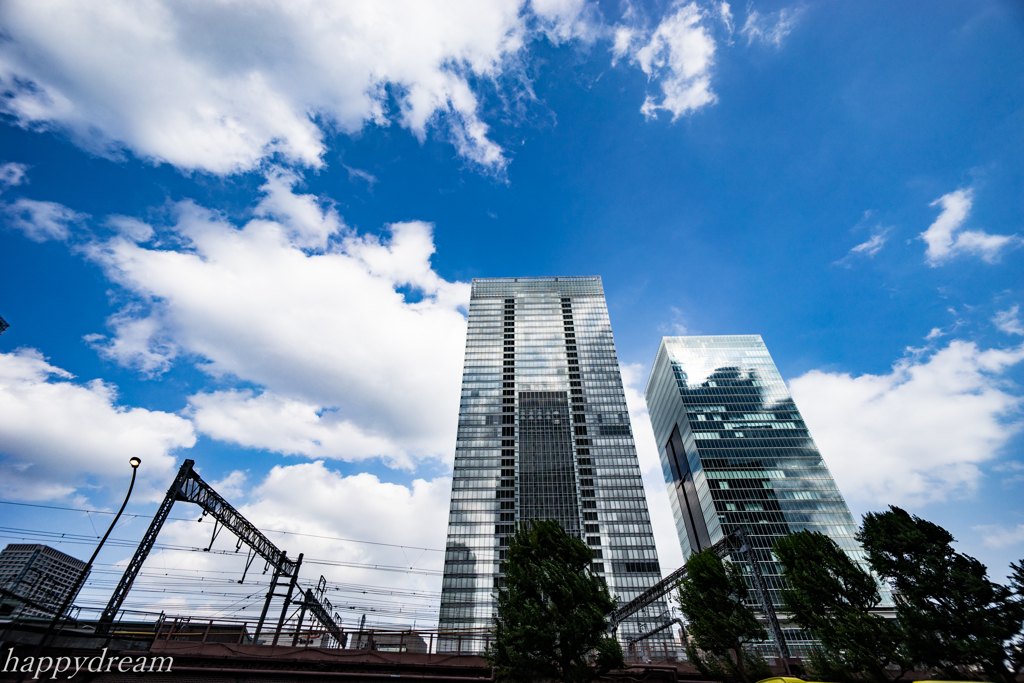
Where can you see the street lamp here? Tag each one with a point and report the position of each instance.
(134, 462)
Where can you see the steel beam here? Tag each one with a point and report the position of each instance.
(189, 487)
(145, 545)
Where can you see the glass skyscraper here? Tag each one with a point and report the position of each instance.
(736, 454)
(544, 433)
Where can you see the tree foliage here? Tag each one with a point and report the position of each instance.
(551, 622)
(828, 594)
(954, 618)
(711, 596)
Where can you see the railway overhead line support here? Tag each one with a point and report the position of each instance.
(189, 487)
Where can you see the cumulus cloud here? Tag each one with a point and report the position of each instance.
(679, 55)
(42, 221)
(770, 29)
(301, 306)
(218, 86)
(918, 433)
(287, 426)
(58, 436)
(946, 239)
(670, 553)
(1008, 321)
(12, 174)
(231, 486)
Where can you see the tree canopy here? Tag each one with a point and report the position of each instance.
(953, 616)
(828, 594)
(552, 609)
(711, 597)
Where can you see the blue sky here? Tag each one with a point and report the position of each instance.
(245, 237)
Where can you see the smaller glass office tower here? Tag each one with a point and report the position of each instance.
(736, 453)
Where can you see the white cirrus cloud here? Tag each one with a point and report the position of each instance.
(1008, 321)
(678, 54)
(946, 238)
(772, 28)
(217, 86)
(42, 221)
(995, 536)
(298, 304)
(59, 436)
(874, 244)
(918, 433)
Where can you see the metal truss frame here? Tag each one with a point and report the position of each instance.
(736, 542)
(189, 487)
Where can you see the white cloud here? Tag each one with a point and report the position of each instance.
(917, 434)
(770, 28)
(42, 221)
(873, 245)
(945, 239)
(935, 334)
(132, 228)
(296, 303)
(12, 174)
(287, 426)
(1008, 321)
(232, 486)
(566, 20)
(58, 436)
(679, 55)
(1000, 537)
(365, 176)
(725, 14)
(670, 554)
(218, 86)
(879, 236)
(677, 325)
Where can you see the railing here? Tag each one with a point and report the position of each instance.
(199, 630)
(159, 629)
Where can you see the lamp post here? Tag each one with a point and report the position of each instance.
(134, 462)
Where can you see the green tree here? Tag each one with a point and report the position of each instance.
(711, 596)
(954, 618)
(1015, 650)
(828, 594)
(552, 609)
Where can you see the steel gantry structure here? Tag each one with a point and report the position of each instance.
(189, 487)
(736, 542)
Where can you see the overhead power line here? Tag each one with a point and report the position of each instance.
(189, 519)
(79, 539)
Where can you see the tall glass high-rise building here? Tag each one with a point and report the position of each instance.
(736, 454)
(544, 433)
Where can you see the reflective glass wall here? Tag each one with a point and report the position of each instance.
(736, 453)
(544, 433)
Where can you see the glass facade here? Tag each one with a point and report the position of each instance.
(736, 454)
(544, 433)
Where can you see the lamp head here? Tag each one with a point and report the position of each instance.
(135, 462)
